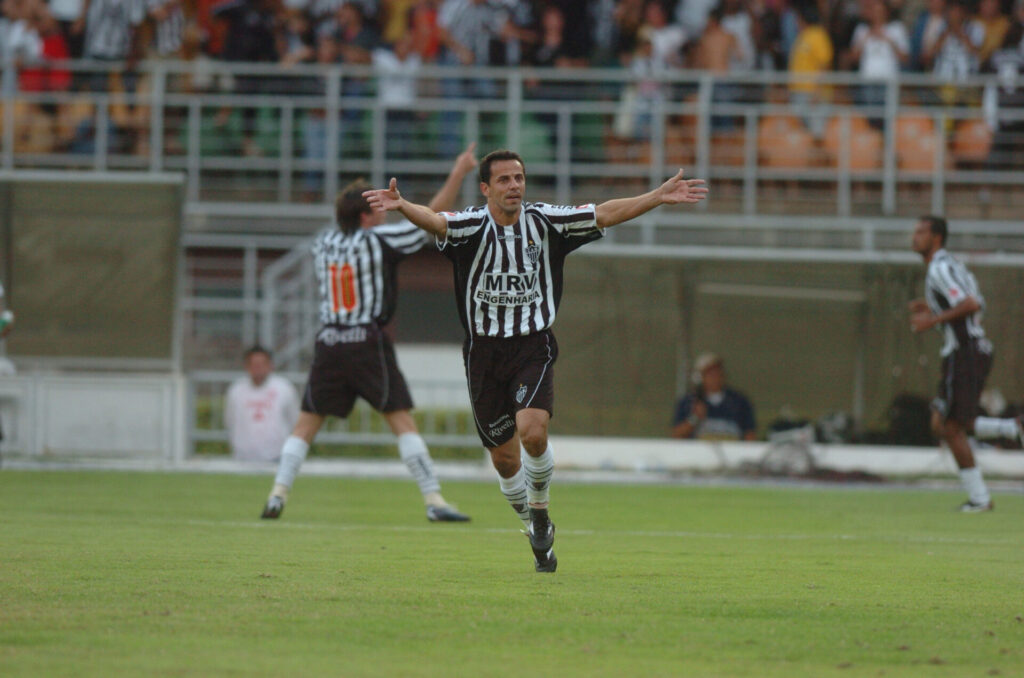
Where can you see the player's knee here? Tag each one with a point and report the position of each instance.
(505, 461)
(951, 429)
(535, 438)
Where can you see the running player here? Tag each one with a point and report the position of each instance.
(356, 265)
(954, 303)
(508, 257)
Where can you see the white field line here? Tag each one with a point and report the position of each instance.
(645, 534)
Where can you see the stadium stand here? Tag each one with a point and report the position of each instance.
(263, 143)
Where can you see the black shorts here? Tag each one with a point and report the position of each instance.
(354, 361)
(963, 377)
(508, 375)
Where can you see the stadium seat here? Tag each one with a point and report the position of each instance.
(865, 144)
(790, 148)
(727, 149)
(776, 125)
(681, 142)
(917, 154)
(972, 141)
(833, 131)
(911, 127)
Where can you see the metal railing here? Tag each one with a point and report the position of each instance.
(295, 134)
(448, 426)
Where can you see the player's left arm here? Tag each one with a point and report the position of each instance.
(673, 192)
(465, 163)
(923, 320)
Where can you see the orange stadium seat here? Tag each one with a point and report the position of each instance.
(972, 141)
(865, 143)
(727, 149)
(917, 154)
(790, 148)
(911, 127)
(833, 130)
(777, 125)
(681, 141)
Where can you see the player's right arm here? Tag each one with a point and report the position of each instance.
(389, 199)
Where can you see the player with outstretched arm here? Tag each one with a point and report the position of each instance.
(508, 257)
(356, 266)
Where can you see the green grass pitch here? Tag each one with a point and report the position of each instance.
(164, 574)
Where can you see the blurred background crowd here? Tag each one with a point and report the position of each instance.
(874, 38)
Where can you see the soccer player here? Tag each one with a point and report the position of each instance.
(260, 409)
(954, 303)
(508, 256)
(356, 265)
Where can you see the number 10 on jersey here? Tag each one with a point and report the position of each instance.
(343, 287)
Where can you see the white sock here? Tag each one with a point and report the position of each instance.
(992, 427)
(413, 450)
(538, 477)
(972, 481)
(293, 453)
(514, 489)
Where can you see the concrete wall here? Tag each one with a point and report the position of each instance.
(136, 419)
(809, 339)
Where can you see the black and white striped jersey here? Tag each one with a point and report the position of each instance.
(167, 32)
(948, 283)
(358, 271)
(508, 279)
(109, 25)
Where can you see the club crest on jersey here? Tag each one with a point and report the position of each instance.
(533, 252)
(521, 393)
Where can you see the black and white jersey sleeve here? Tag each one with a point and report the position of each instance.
(575, 225)
(404, 238)
(947, 284)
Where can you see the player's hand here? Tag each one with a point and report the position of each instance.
(921, 321)
(700, 410)
(677, 190)
(466, 162)
(384, 199)
(918, 306)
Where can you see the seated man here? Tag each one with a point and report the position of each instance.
(713, 411)
(260, 409)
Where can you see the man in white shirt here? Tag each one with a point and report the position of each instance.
(260, 409)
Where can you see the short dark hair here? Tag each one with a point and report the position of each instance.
(349, 204)
(937, 225)
(497, 156)
(254, 349)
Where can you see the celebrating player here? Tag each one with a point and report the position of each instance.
(356, 265)
(508, 257)
(954, 302)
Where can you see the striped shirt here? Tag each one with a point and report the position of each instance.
(474, 25)
(357, 271)
(109, 25)
(508, 279)
(168, 32)
(947, 284)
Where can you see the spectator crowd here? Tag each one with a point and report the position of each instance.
(875, 38)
